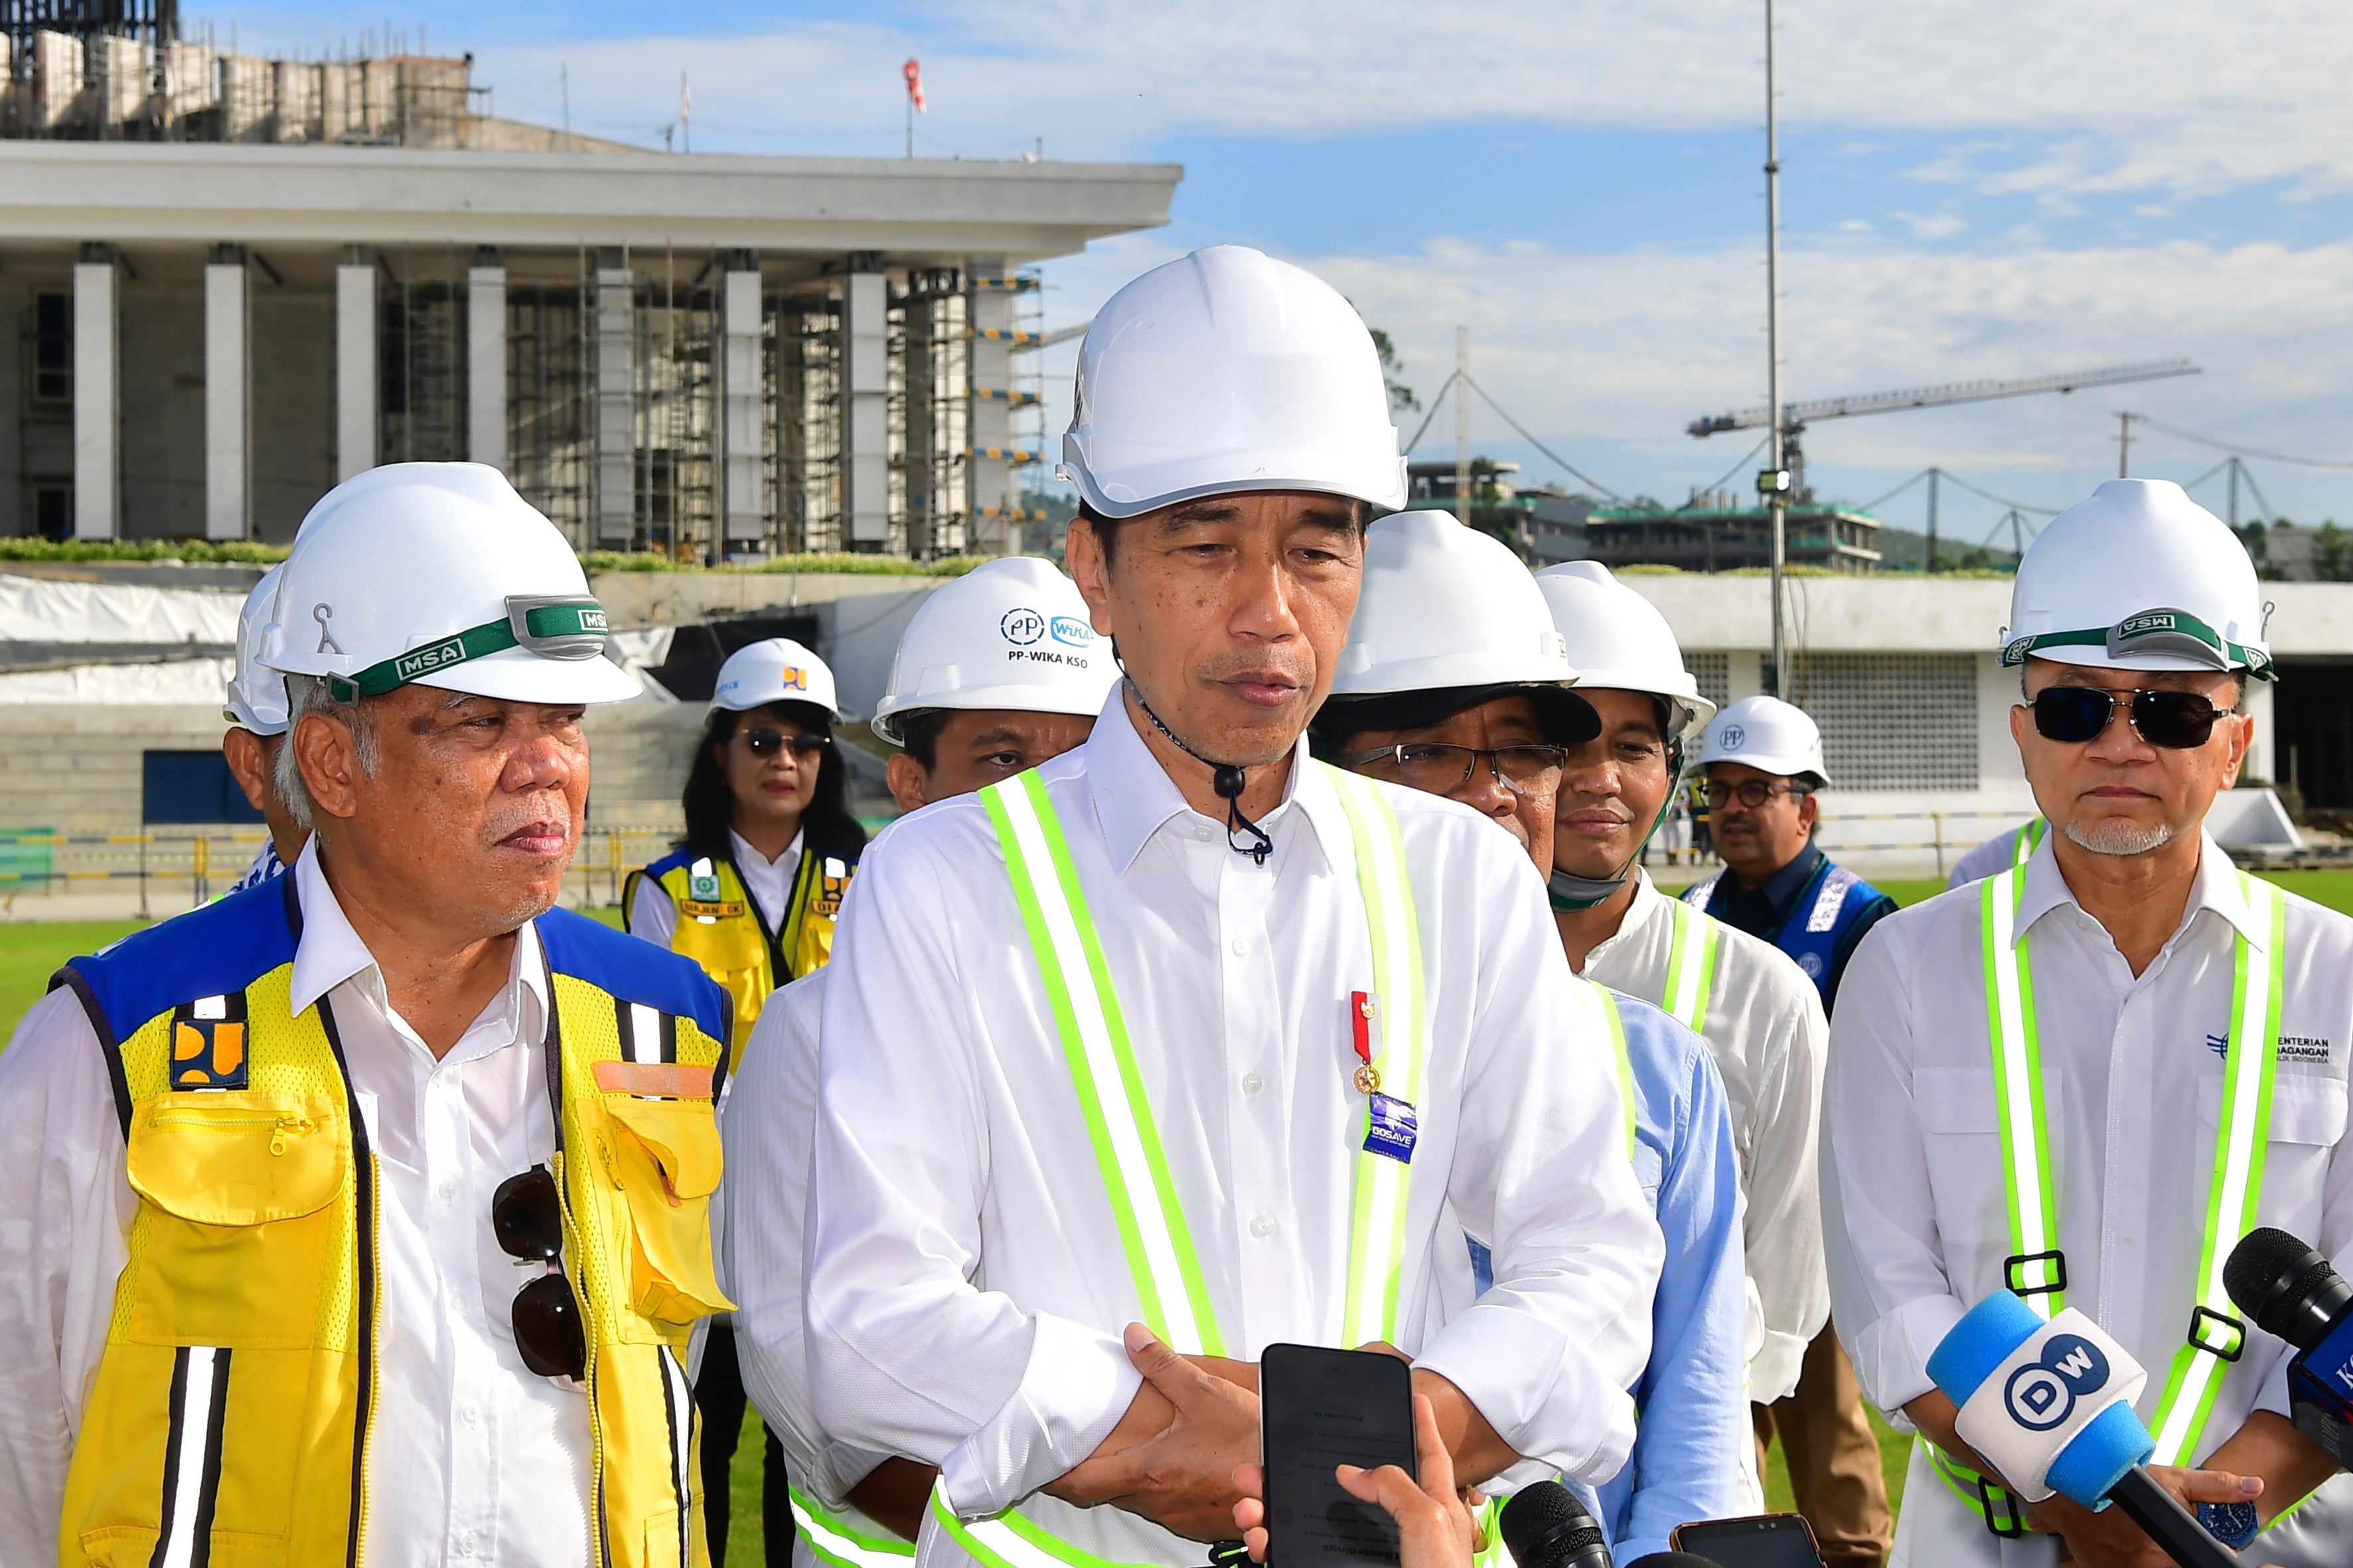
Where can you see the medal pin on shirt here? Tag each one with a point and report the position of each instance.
(1390, 1125)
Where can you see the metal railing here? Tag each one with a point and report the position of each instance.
(176, 867)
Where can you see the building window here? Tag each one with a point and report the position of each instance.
(53, 348)
(53, 511)
(1894, 721)
(1713, 673)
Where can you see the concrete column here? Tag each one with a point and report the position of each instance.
(355, 366)
(616, 437)
(743, 460)
(486, 358)
(229, 395)
(97, 396)
(866, 417)
(991, 419)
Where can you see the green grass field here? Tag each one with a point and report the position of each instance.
(30, 952)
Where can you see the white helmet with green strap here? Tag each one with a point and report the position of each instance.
(440, 575)
(2139, 577)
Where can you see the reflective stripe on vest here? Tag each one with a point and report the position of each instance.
(1691, 965)
(842, 1544)
(1604, 1018)
(1162, 1262)
(2022, 847)
(2215, 1334)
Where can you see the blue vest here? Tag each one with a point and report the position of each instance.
(1820, 918)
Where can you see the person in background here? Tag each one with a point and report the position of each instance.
(2039, 1081)
(292, 1267)
(751, 894)
(255, 712)
(997, 672)
(1763, 760)
(1998, 854)
(1455, 682)
(1761, 1018)
(1183, 1043)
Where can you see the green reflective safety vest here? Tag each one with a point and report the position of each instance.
(1163, 1264)
(2036, 1270)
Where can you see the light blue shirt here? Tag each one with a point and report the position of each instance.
(1691, 1397)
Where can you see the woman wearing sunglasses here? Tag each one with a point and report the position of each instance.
(751, 895)
(2084, 1078)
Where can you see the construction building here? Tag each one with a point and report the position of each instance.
(238, 280)
(1544, 524)
(1714, 534)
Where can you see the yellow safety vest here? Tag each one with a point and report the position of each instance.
(229, 1418)
(719, 925)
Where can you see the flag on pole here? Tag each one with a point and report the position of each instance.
(914, 75)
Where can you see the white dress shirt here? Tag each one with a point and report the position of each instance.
(654, 916)
(966, 1286)
(1766, 1030)
(471, 1459)
(1914, 1193)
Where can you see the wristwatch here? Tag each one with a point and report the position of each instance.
(2232, 1523)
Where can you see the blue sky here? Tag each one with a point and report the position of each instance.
(1970, 190)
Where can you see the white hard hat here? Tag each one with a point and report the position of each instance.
(1225, 371)
(1767, 734)
(1447, 616)
(440, 575)
(257, 697)
(1618, 641)
(2139, 577)
(1012, 632)
(777, 670)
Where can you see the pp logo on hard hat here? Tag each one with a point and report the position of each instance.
(1022, 627)
(2043, 1393)
(1732, 738)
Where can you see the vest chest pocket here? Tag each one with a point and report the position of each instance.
(240, 1226)
(664, 1156)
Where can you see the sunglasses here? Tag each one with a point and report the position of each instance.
(529, 1222)
(2178, 721)
(767, 742)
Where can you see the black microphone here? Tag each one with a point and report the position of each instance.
(1546, 1527)
(2291, 1291)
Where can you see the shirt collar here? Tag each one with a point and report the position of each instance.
(747, 855)
(2216, 888)
(331, 951)
(1135, 797)
(1781, 889)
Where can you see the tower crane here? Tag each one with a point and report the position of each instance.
(1795, 416)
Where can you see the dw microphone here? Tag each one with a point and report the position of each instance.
(2050, 1407)
(2291, 1291)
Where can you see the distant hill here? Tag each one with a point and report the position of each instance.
(1902, 549)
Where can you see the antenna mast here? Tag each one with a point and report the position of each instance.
(1777, 496)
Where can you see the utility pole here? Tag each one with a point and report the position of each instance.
(2124, 445)
(1463, 425)
(2235, 495)
(1933, 474)
(1778, 498)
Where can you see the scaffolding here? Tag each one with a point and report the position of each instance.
(421, 359)
(677, 325)
(550, 415)
(806, 373)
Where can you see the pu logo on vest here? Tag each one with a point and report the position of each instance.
(1022, 627)
(832, 882)
(2043, 1393)
(1071, 632)
(209, 1043)
(1733, 737)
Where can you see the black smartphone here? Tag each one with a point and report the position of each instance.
(1763, 1540)
(1319, 1409)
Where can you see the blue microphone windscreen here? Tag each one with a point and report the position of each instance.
(2088, 1467)
(1980, 1343)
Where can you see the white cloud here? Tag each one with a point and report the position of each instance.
(2106, 95)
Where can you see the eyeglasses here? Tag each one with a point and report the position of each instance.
(1436, 769)
(767, 742)
(1750, 793)
(529, 1222)
(2178, 721)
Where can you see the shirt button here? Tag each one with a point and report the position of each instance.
(1241, 948)
(1201, 832)
(1252, 1083)
(472, 1415)
(449, 1192)
(1263, 1227)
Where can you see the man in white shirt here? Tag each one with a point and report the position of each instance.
(290, 1260)
(1760, 1016)
(1183, 1030)
(997, 673)
(2112, 1004)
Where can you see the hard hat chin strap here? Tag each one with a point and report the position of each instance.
(1228, 779)
(1568, 892)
